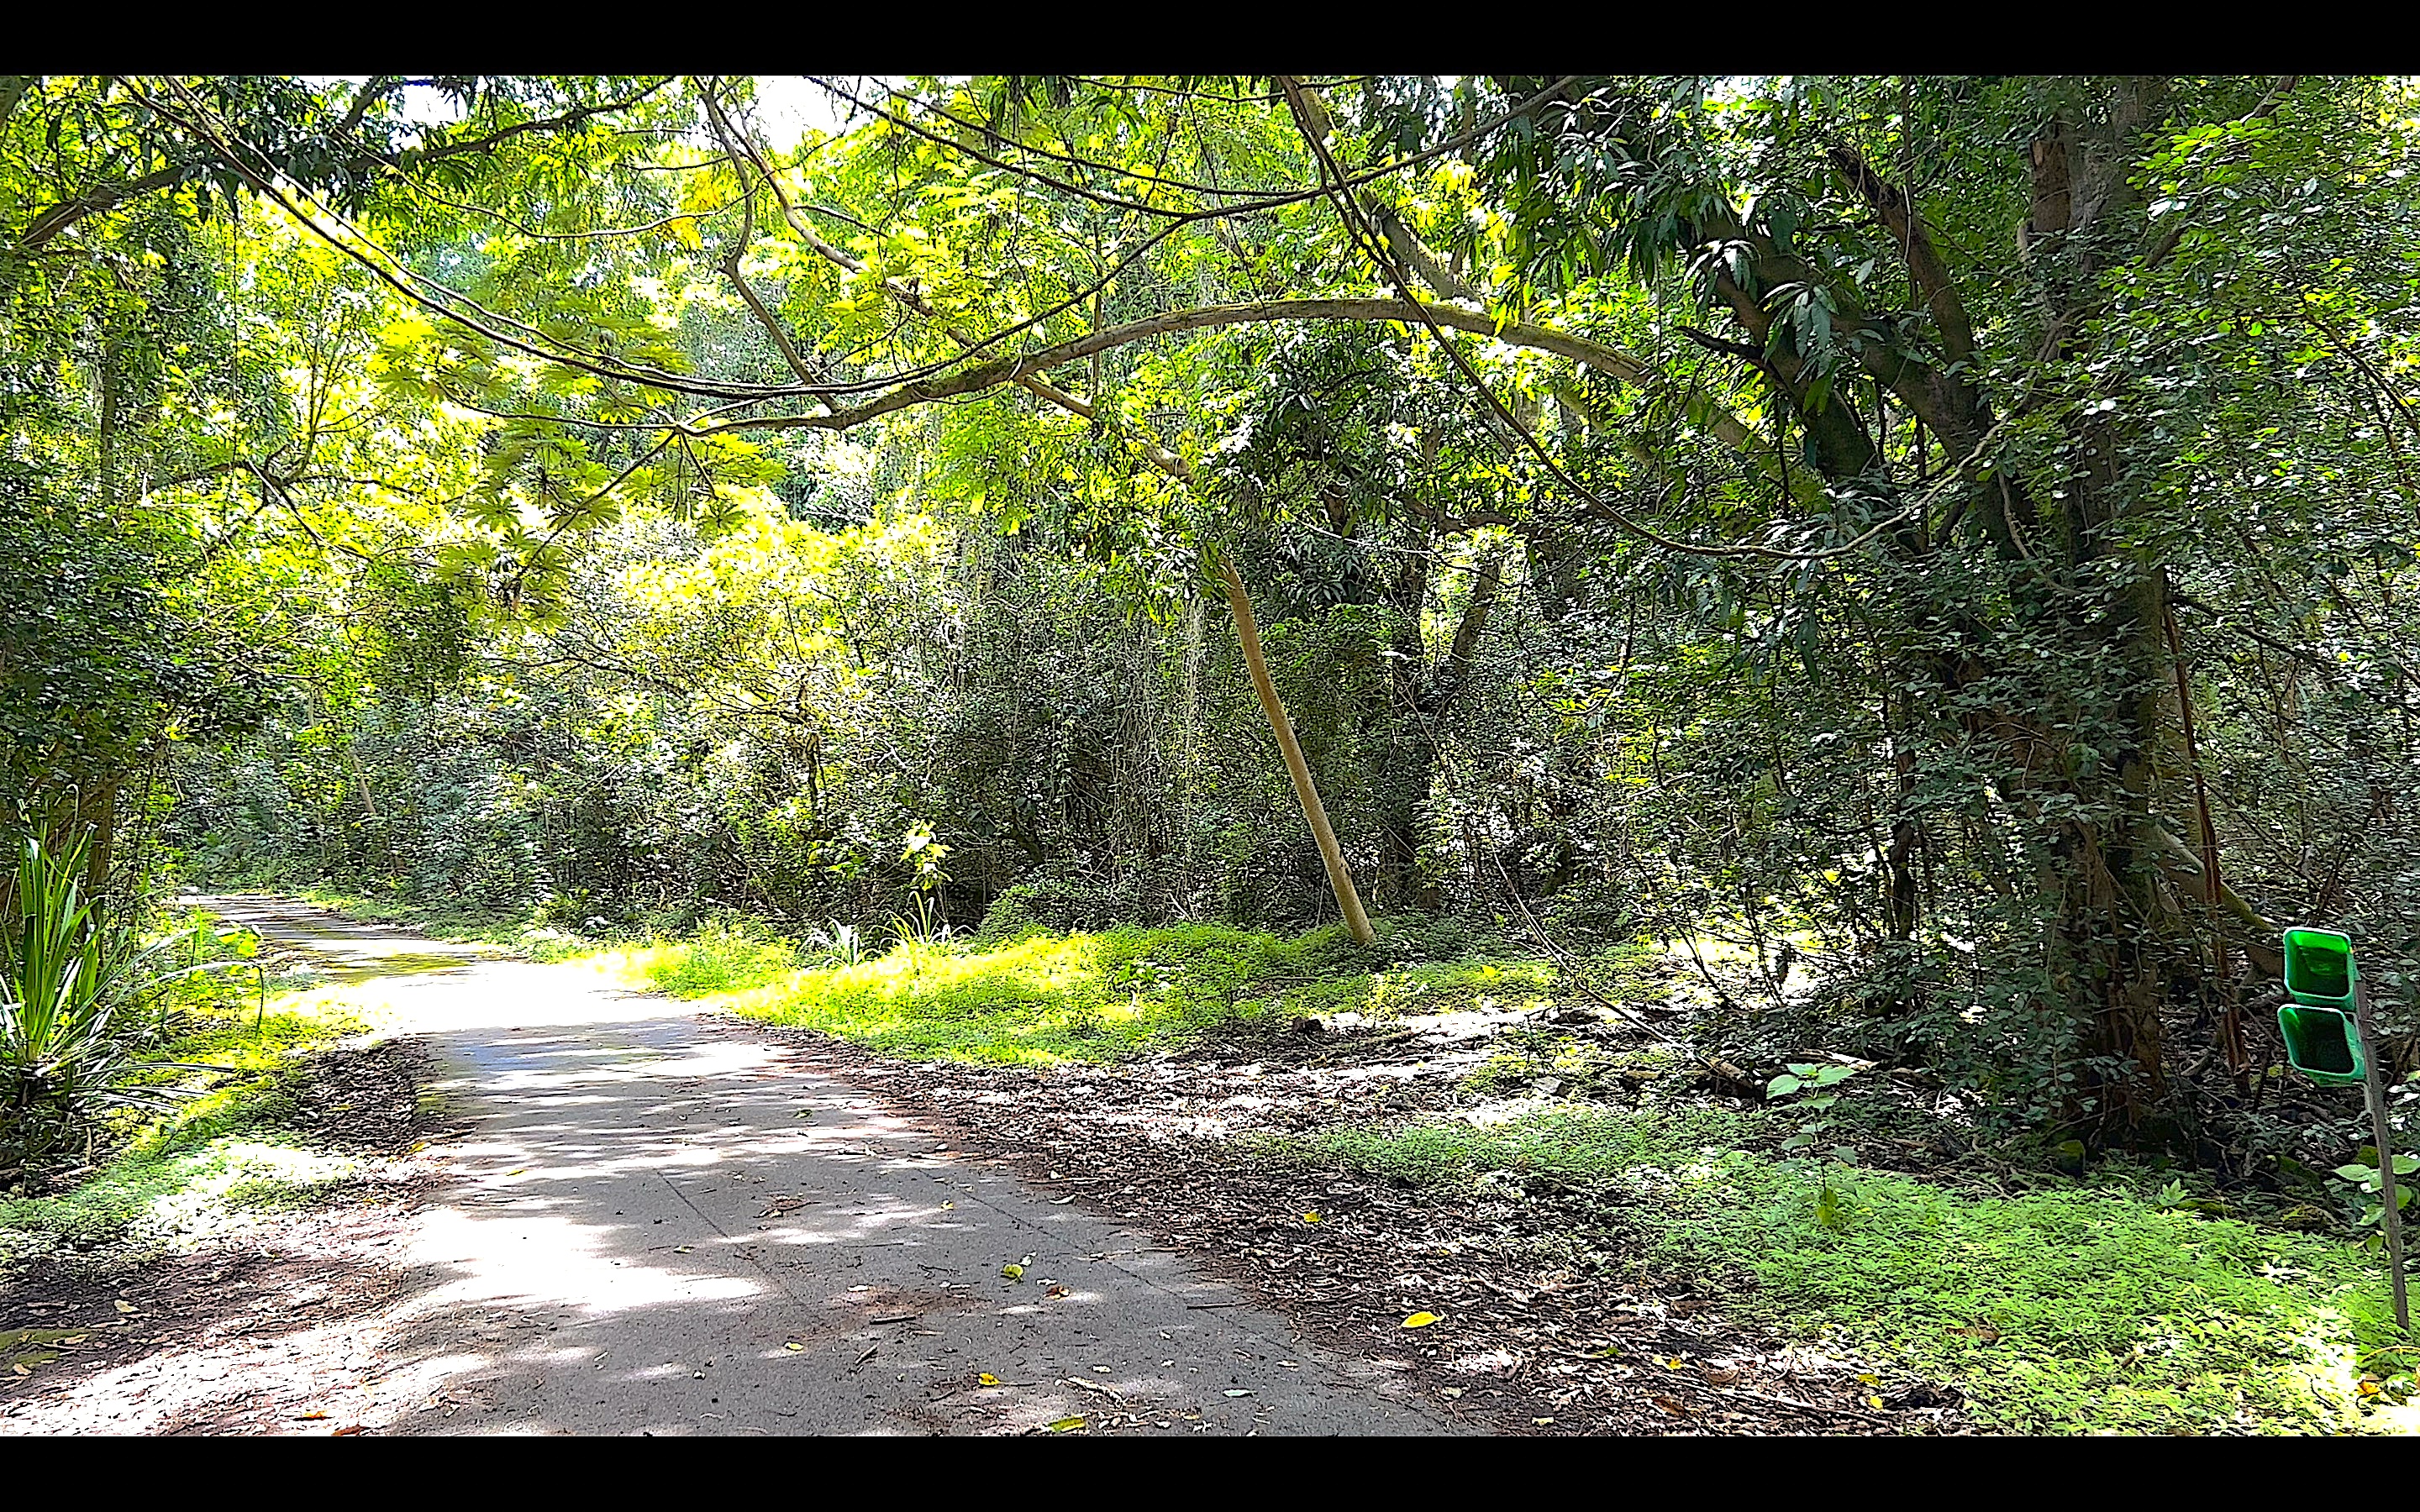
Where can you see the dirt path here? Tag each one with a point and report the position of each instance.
(652, 1222)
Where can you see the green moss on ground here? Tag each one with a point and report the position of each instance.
(1047, 998)
(2088, 1308)
(222, 1154)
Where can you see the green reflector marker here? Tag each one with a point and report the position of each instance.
(2316, 1024)
(2319, 969)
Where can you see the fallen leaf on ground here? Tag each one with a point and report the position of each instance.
(947, 1206)
(310, 1417)
(1672, 1404)
(1012, 1271)
(1058, 1291)
(1420, 1319)
(1066, 1424)
(348, 1432)
(794, 1347)
(1311, 1217)
(125, 1306)
(986, 1378)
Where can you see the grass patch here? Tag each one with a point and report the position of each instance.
(2087, 1308)
(1551, 1062)
(32, 1347)
(719, 959)
(1048, 998)
(1044, 999)
(181, 1175)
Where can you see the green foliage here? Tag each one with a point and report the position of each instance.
(2072, 1309)
(81, 1003)
(215, 1152)
(102, 669)
(2367, 1180)
(719, 959)
(1043, 999)
(1570, 1144)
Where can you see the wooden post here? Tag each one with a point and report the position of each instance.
(1247, 631)
(2392, 1220)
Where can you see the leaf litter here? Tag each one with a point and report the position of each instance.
(1517, 1314)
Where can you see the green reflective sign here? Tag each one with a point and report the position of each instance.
(2319, 969)
(2316, 1023)
(2319, 1043)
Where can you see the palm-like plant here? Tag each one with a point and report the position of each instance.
(838, 944)
(922, 925)
(70, 989)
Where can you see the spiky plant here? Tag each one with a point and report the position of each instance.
(72, 991)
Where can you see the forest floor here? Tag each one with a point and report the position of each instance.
(1066, 1183)
(1530, 1333)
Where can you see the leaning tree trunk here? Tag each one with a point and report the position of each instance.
(1247, 632)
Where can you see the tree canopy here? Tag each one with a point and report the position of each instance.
(1951, 536)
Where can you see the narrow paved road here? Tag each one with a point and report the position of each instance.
(663, 1223)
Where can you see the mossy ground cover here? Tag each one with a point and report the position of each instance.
(1047, 998)
(225, 1152)
(2075, 1308)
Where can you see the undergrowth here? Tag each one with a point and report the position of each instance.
(202, 1168)
(1047, 998)
(2085, 1308)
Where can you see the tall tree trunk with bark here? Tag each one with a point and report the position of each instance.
(2061, 684)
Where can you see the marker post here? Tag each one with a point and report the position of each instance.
(2325, 1022)
(2393, 1217)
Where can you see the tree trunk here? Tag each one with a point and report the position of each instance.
(1247, 633)
(97, 814)
(2123, 936)
(1405, 766)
